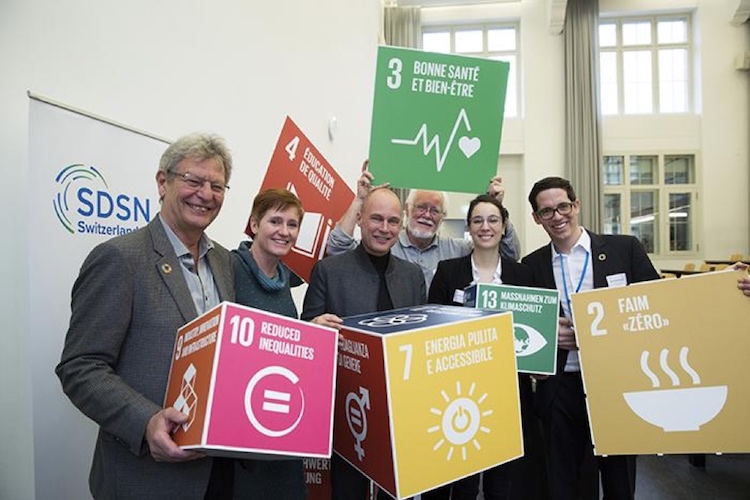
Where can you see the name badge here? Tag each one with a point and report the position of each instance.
(617, 280)
(458, 296)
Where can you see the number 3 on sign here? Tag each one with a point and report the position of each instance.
(598, 309)
(394, 80)
(407, 348)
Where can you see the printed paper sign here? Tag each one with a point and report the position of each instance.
(298, 166)
(437, 120)
(430, 385)
(664, 365)
(535, 312)
(253, 382)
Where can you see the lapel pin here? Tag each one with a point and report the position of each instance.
(602, 256)
(166, 268)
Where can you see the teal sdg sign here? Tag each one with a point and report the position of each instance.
(437, 120)
(535, 312)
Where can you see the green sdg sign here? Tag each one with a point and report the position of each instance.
(437, 120)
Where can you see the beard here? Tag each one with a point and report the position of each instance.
(417, 232)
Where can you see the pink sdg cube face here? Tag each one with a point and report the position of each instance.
(273, 388)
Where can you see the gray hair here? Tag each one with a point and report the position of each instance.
(414, 192)
(197, 146)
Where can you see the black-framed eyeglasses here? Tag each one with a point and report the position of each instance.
(423, 208)
(547, 213)
(196, 182)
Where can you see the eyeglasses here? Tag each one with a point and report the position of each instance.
(434, 211)
(196, 182)
(547, 213)
(492, 221)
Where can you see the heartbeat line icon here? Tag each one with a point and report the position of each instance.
(467, 145)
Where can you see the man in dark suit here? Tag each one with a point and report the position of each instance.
(365, 279)
(576, 260)
(132, 294)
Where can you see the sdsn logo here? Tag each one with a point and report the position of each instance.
(85, 204)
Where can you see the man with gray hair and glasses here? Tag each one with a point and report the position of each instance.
(419, 241)
(132, 294)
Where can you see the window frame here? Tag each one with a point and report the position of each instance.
(485, 27)
(654, 47)
(663, 191)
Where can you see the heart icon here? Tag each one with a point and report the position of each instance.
(469, 146)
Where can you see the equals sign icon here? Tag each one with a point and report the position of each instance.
(275, 401)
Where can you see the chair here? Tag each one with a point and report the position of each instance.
(735, 257)
(720, 267)
(690, 266)
(706, 268)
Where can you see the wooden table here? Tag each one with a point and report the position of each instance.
(727, 262)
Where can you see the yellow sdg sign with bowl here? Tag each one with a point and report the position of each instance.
(664, 365)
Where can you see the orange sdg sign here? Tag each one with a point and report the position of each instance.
(664, 365)
(298, 166)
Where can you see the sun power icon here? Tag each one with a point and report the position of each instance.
(460, 422)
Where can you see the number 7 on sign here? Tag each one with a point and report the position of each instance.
(407, 348)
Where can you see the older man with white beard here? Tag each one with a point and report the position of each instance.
(419, 242)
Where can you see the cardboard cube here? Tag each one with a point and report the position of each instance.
(254, 383)
(535, 313)
(427, 395)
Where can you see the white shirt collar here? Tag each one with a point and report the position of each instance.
(496, 276)
(583, 243)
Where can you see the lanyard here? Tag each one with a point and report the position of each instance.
(565, 282)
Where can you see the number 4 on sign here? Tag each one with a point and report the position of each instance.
(291, 148)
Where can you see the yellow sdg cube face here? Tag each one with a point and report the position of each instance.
(452, 393)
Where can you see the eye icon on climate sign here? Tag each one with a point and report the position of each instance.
(85, 203)
(274, 403)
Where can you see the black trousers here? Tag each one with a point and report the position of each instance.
(569, 448)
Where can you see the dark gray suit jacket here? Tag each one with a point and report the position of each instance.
(128, 301)
(347, 284)
(610, 254)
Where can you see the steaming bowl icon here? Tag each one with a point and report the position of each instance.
(676, 410)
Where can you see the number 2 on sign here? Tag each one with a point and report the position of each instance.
(598, 309)
(407, 348)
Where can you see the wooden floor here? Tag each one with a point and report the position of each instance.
(672, 477)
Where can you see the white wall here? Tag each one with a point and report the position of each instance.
(230, 66)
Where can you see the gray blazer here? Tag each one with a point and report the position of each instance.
(347, 284)
(128, 301)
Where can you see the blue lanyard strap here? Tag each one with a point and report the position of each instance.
(565, 282)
